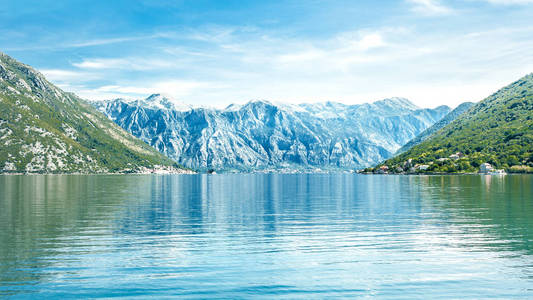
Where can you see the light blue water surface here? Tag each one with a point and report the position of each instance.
(266, 236)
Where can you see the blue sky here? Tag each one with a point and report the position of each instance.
(219, 52)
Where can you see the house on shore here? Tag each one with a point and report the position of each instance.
(486, 168)
(383, 170)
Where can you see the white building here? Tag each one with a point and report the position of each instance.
(498, 172)
(485, 168)
(423, 167)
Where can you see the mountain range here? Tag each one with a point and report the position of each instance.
(46, 130)
(261, 135)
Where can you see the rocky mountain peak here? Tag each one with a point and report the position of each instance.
(161, 101)
(397, 102)
(262, 135)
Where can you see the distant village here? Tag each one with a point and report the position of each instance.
(409, 167)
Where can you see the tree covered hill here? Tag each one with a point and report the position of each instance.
(46, 130)
(450, 117)
(497, 130)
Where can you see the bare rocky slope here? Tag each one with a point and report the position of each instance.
(261, 135)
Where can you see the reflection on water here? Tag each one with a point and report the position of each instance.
(295, 236)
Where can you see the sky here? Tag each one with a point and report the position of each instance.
(214, 53)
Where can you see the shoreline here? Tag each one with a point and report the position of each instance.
(259, 173)
(104, 173)
(440, 174)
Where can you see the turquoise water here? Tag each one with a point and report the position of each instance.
(266, 236)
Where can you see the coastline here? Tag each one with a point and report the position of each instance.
(139, 172)
(440, 174)
(94, 174)
(190, 172)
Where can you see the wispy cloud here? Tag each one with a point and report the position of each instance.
(430, 7)
(351, 66)
(175, 88)
(115, 40)
(363, 39)
(510, 2)
(59, 75)
(128, 63)
(304, 56)
(82, 43)
(178, 88)
(347, 50)
(307, 54)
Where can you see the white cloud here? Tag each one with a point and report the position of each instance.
(363, 40)
(87, 43)
(371, 41)
(180, 88)
(351, 67)
(344, 51)
(307, 55)
(174, 88)
(430, 7)
(129, 63)
(510, 2)
(99, 42)
(100, 63)
(66, 75)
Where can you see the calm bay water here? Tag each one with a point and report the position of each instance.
(266, 236)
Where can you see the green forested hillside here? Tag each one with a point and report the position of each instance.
(498, 130)
(46, 130)
(450, 117)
